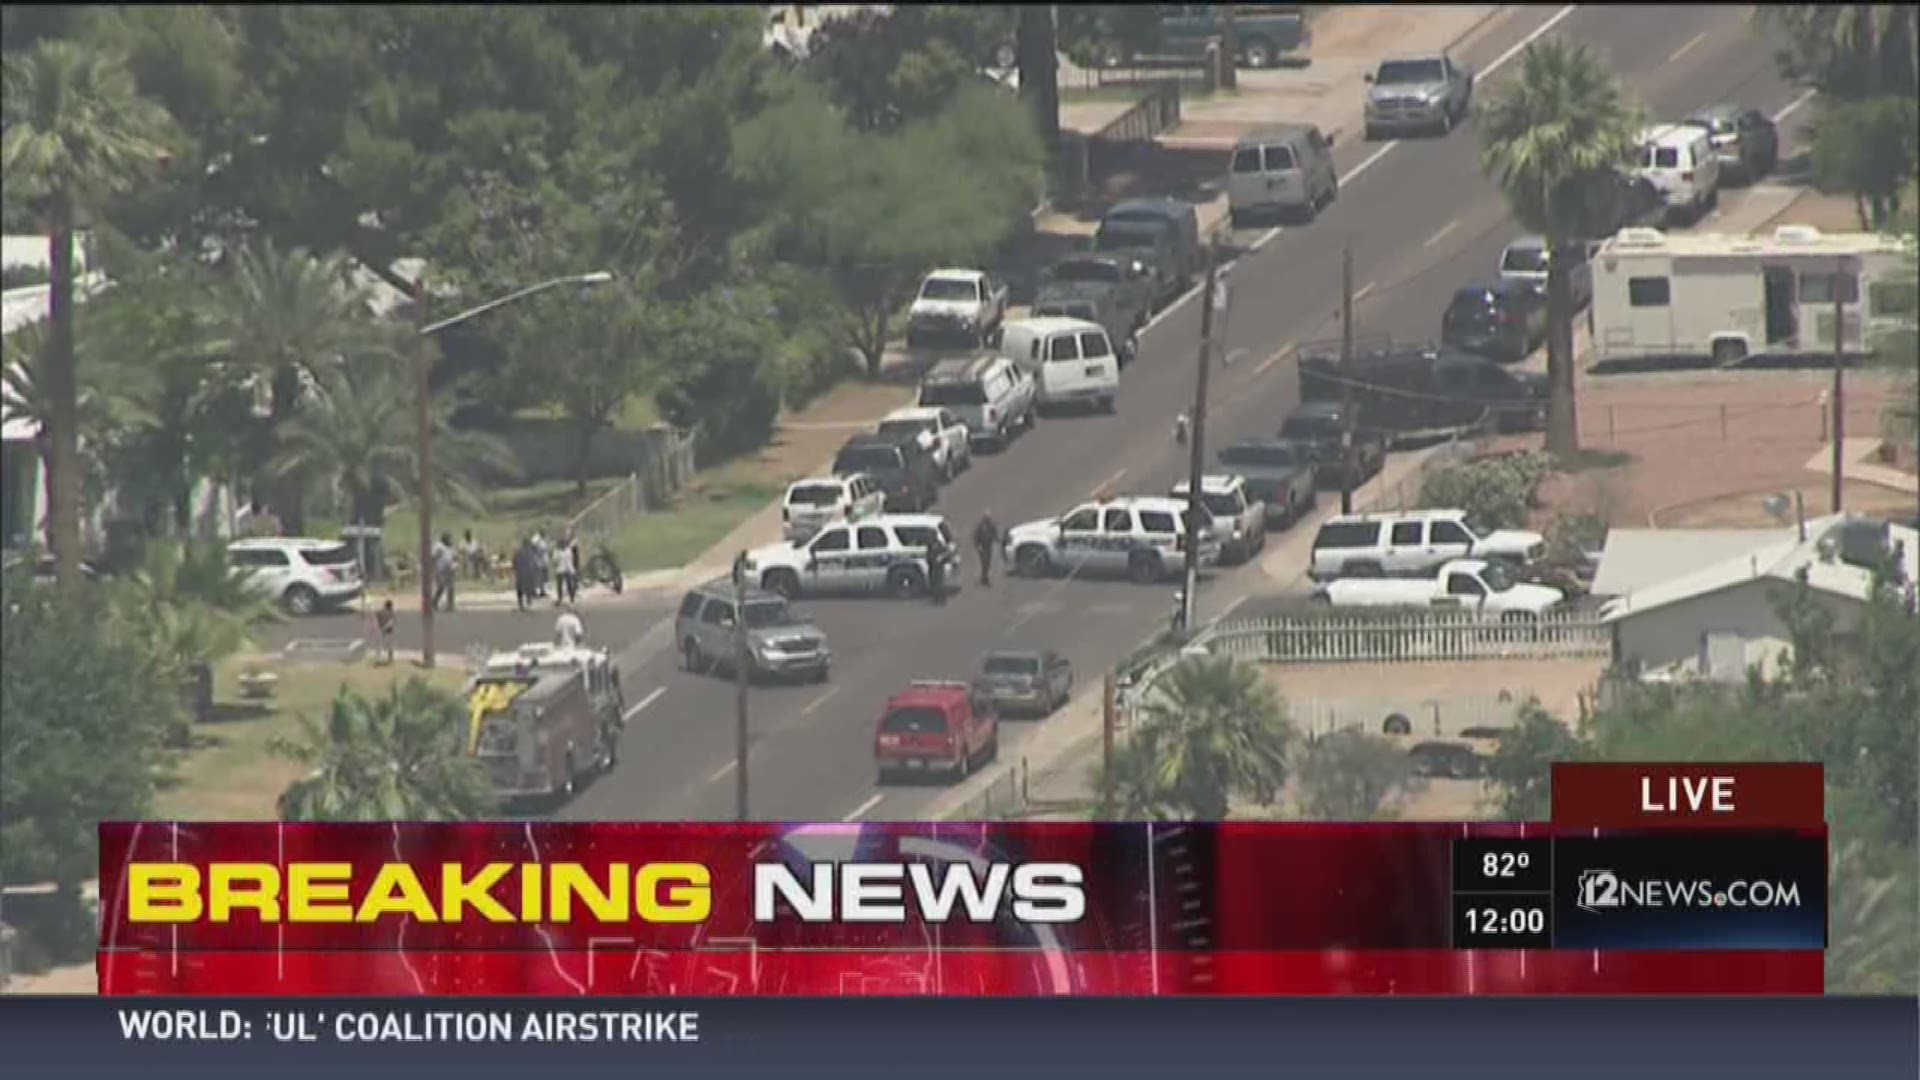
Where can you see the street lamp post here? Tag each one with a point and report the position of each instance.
(423, 373)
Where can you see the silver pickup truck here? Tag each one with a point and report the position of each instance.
(1239, 517)
(1278, 473)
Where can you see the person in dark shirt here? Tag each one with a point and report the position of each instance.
(986, 536)
(937, 552)
(525, 574)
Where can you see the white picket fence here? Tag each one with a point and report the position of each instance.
(1412, 637)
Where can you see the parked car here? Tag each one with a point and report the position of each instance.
(1033, 682)
(1417, 93)
(935, 727)
(1525, 260)
(1320, 428)
(941, 434)
(780, 641)
(1163, 232)
(1680, 160)
(1284, 169)
(902, 467)
(1073, 361)
(1504, 320)
(1239, 517)
(1745, 140)
(1070, 302)
(817, 500)
(1475, 585)
(992, 395)
(889, 554)
(1125, 285)
(1412, 543)
(301, 574)
(1415, 391)
(1263, 33)
(1635, 203)
(956, 308)
(1279, 474)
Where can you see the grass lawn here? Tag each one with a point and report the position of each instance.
(506, 515)
(701, 515)
(231, 772)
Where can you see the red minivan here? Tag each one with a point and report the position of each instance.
(935, 727)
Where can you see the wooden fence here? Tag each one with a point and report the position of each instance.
(1122, 144)
(1413, 636)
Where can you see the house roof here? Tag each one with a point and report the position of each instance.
(1637, 558)
(1782, 559)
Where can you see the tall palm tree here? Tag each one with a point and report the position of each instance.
(358, 435)
(1550, 139)
(396, 758)
(75, 131)
(1209, 731)
(111, 395)
(280, 321)
(193, 609)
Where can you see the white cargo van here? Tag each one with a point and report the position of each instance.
(1073, 360)
(1680, 161)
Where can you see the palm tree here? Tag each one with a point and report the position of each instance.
(75, 132)
(281, 321)
(1848, 51)
(1550, 136)
(397, 758)
(112, 396)
(358, 434)
(1210, 730)
(193, 609)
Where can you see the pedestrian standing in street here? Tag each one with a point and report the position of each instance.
(566, 581)
(986, 536)
(523, 573)
(542, 565)
(445, 568)
(474, 558)
(937, 553)
(568, 630)
(384, 620)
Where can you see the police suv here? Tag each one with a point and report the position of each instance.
(1142, 537)
(885, 553)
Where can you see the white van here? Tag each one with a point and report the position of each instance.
(1679, 160)
(1072, 360)
(814, 502)
(1286, 168)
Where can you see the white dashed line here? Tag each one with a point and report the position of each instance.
(1363, 292)
(819, 701)
(1793, 106)
(1442, 234)
(644, 702)
(721, 773)
(1107, 484)
(871, 802)
(1692, 44)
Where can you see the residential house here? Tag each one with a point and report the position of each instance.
(1701, 604)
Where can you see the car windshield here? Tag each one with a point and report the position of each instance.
(762, 614)
(905, 427)
(914, 720)
(1496, 577)
(1400, 72)
(1310, 427)
(866, 459)
(1712, 123)
(1012, 665)
(1662, 157)
(1088, 270)
(1525, 259)
(1222, 504)
(331, 555)
(1269, 456)
(949, 289)
(953, 393)
(814, 494)
(1067, 311)
(1120, 236)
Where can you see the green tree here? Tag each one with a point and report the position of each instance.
(358, 437)
(113, 395)
(193, 609)
(1852, 52)
(887, 68)
(1550, 136)
(1496, 492)
(1350, 775)
(401, 757)
(1521, 769)
(1866, 149)
(1209, 731)
(82, 740)
(75, 131)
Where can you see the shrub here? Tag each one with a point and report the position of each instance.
(1495, 492)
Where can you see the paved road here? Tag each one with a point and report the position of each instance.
(618, 622)
(1420, 220)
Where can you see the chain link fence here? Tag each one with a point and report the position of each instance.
(651, 488)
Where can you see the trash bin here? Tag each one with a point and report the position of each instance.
(367, 545)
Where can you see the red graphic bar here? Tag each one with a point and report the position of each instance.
(1654, 796)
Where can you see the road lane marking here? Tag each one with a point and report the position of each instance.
(1692, 43)
(644, 702)
(864, 807)
(819, 701)
(1442, 234)
(1538, 33)
(1362, 294)
(721, 773)
(1234, 356)
(1793, 107)
(1107, 484)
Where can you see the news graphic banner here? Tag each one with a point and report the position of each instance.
(1698, 880)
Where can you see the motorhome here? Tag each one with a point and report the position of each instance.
(1681, 297)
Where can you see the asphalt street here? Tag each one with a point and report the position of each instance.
(1420, 220)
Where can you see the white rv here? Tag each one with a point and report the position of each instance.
(1710, 296)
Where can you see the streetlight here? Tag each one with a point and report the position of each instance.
(423, 370)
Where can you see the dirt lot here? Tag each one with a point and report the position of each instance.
(1459, 694)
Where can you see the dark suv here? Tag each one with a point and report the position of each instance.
(901, 466)
(1504, 320)
(1319, 427)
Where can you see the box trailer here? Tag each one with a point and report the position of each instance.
(1683, 297)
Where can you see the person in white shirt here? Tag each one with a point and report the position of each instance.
(566, 577)
(568, 630)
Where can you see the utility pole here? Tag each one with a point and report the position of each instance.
(1347, 425)
(742, 679)
(1229, 49)
(423, 420)
(1839, 381)
(1109, 706)
(1197, 448)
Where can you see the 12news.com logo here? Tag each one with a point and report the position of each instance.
(1603, 890)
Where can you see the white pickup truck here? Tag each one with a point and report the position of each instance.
(1477, 585)
(956, 309)
(941, 434)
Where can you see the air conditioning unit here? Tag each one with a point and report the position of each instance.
(1796, 234)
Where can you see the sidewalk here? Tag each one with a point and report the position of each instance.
(471, 595)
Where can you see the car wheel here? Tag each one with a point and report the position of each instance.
(1144, 567)
(823, 673)
(1109, 405)
(1446, 121)
(906, 582)
(784, 582)
(1727, 352)
(1237, 219)
(1033, 561)
(963, 768)
(1258, 54)
(882, 777)
(692, 658)
(1371, 133)
(300, 600)
(569, 777)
